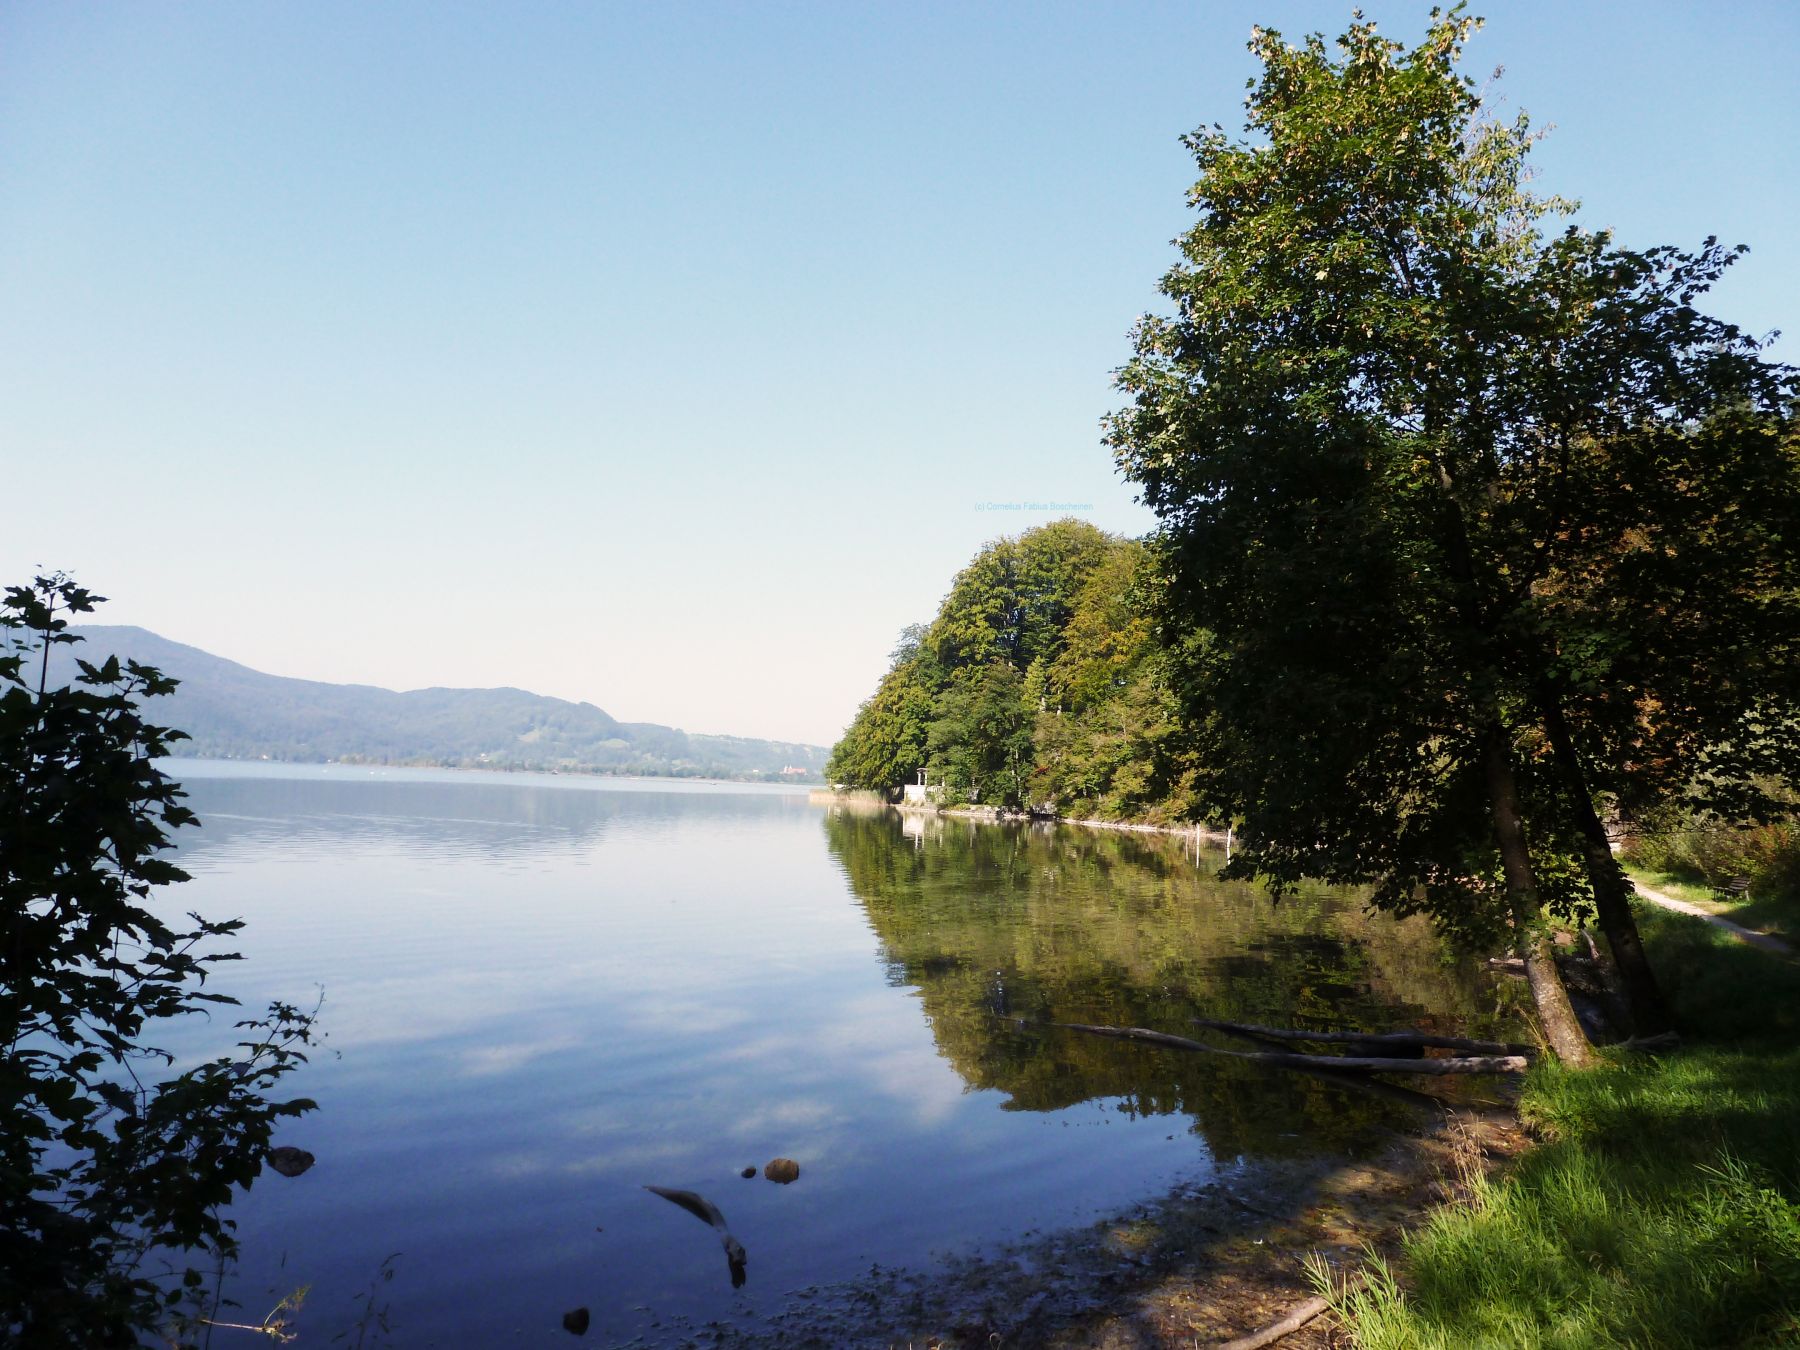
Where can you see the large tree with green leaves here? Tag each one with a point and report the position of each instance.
(980, 742)
(1387, 404)
(108, 1171)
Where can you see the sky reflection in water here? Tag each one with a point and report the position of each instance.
(543, 995)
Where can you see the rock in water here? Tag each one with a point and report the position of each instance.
(576, 1323)
(783, 1170)
(290, 1162)
(748, 1172)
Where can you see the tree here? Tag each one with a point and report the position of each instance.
(885, 744)
(1384, 404)
(1667, 621)
(1008, 607)
(1013, 599)
(1107, 734)
(980, 743)
(103, 1168)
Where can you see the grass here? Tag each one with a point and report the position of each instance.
(1682, 887)
(1768, 909)
(1663, 1208)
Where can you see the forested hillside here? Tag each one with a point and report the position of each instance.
(1038, 685)
(232, 712)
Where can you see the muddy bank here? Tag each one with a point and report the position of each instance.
(1196, 1267)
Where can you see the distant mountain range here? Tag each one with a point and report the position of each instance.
(233, 712)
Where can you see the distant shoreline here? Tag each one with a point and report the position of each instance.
(236, 767)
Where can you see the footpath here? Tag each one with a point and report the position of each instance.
(1767, 941)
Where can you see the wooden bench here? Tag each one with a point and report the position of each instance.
(1737, 888)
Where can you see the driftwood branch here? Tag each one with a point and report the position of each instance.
(1412, 1096)
(1417, 1040)
(1336, 1063)
(707, 1212)
(1298, 1318)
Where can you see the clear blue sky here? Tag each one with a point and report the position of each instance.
(665, 355)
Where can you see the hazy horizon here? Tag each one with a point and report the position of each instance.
(673, 359)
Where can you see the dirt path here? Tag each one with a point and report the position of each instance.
(1768, 942)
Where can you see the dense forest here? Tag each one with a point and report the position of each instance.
(1039, 686)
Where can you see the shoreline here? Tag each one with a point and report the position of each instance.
(862, 800)
(287, 768)
(1198, 1265)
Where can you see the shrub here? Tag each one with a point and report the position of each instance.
(106, 1172)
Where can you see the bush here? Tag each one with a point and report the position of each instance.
(106, 1173)
(1713, 852)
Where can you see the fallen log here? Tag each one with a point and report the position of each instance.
(1334, 1063)
(1419, 1040)
(1410, 1096)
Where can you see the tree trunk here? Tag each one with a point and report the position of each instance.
(1561, 1028)
(1612, 905)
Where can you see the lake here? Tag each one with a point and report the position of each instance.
(543, 994)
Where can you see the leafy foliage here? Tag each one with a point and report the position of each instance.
(1012, 602)
(1669, 606)
(1109, 736)
(887, 742)
(101, 1167)
(1398, 438)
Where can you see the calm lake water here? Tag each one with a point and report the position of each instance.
(543, 994)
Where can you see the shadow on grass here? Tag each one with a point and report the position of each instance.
(1777, 913)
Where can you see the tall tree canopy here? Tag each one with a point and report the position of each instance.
(1014, 598)
(1399, 438)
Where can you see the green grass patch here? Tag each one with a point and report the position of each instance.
(1663, 1208)
(1768, 907)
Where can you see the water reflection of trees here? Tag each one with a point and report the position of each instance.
(998, 924)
